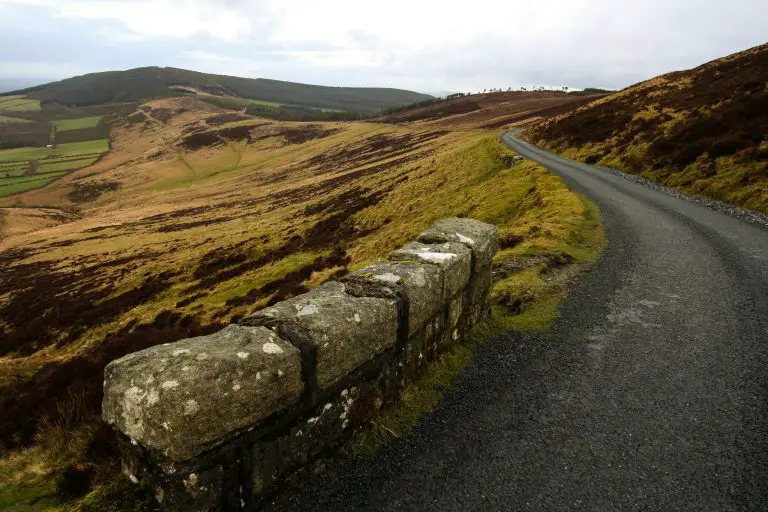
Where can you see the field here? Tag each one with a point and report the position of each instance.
(64, 125)
(198, 216)
(18, 104)
(6, 119)
(24, 169)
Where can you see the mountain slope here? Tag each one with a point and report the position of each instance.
(492, 110)
(154, 82)
(703, 131)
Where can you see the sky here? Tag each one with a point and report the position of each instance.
(422, 45)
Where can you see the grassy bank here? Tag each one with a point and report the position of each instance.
(549, 235)
(701, 131)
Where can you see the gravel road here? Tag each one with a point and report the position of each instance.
(648, 394)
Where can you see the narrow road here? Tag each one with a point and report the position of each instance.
(649, 394)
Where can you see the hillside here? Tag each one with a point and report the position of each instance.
(490, 110)
(198, 215)
(704, 131)
(142, 84)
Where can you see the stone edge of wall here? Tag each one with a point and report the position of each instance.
(217, 421)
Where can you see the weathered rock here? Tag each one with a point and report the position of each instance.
(477, 300)
(183, 398)
(481, 238)
(336, 330)
(423, 346)
(420, 283)
(455, 308)
(454, 259)
(330, 425)
(199, 491)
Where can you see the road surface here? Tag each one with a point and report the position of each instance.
(649, 394)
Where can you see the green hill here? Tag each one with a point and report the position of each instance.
(154, 82)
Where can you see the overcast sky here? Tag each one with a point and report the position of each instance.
(423, 45)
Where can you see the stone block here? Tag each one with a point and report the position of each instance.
(183, 398)
(334, 330)
(329, 425)
(481, 238)
(454, 259)
(421, 284)
(480, 285)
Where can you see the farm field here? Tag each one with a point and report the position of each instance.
(62, 150)
(7, 119)
(18, 104)
(24, 169)
(63, 125)
(19, 184)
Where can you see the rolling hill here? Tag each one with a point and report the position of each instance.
(148, 83)
(197, 215)
(703, 131)
(490, 110)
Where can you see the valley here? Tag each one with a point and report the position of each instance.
(170, 204)
(199, 215)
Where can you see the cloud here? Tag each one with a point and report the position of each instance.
(39, 70)
(424, 44)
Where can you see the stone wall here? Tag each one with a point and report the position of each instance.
(216, 422)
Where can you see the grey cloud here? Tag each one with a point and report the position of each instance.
(613, 45)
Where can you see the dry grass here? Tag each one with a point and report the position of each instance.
(173, 240)
(702, 131)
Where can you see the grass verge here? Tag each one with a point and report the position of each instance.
(554, 236)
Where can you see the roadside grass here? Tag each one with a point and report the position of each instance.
(555, 234)
(738, 179)
(701, 131)
(79, 123)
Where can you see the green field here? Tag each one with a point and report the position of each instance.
(52, 163)
(18, 104)
(62, 150)
(10, 186)
(6, 119)
(13, 169)
(79, 123)
(237, 103)
(10, 172)
(67, 165)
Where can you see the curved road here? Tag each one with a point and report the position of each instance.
(649, 394)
